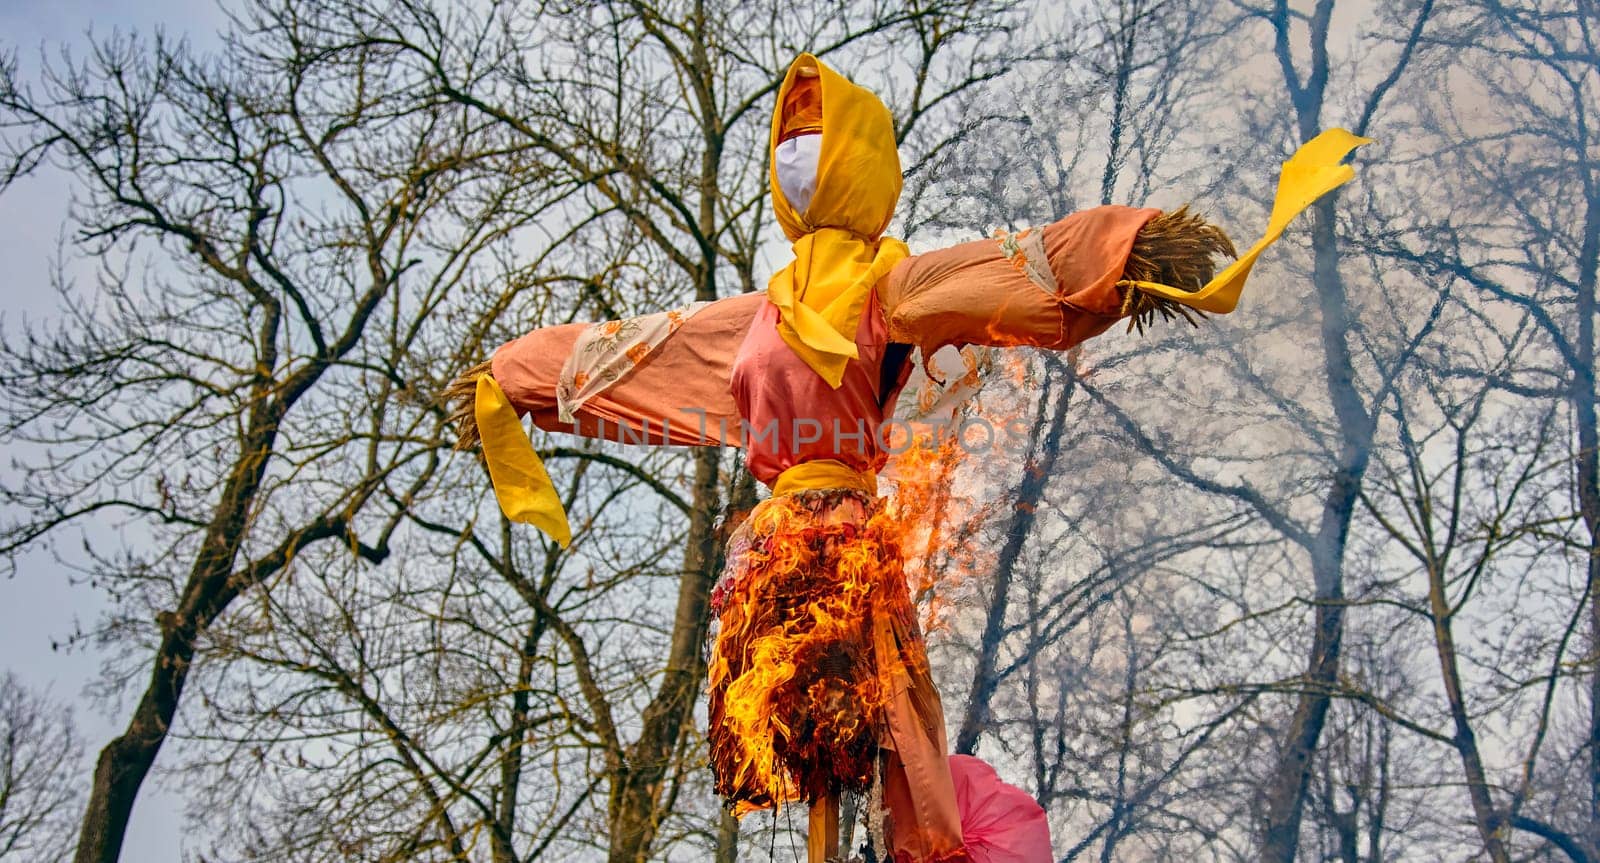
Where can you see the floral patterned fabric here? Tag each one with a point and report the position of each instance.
(1025, 250)
(606, 351)
(942, 391)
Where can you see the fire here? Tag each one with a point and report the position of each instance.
(797, 688)
(816, 620)
(922, 504)
(803, 661)
(936, 519)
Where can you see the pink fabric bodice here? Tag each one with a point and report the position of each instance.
(790, 413)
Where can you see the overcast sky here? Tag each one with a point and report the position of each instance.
(39, 605)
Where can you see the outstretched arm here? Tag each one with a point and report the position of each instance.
(1050, 287)
(673, 392)
(660, 379)
(1071, 279)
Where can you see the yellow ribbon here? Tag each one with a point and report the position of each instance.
(824, 473)
(1313, 171)
(521, 484)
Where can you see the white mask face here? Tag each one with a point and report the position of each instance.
(797, 169)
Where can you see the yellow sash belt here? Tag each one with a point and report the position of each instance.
(824, 473)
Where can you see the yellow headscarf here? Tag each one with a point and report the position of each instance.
(840, 253)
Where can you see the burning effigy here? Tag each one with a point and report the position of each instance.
(818, 677)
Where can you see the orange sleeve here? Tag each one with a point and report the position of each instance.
(973, 294)
(679, 395)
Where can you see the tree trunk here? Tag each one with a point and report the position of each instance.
(502, 848)
(636, 792)
(1465, 740)
(126, 761)
(1047, 431)
(1587, 466)
(1286, 787)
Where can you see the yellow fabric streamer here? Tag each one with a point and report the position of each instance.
(840, 253)
(521, 484)
(824, 474)
(1313, 171)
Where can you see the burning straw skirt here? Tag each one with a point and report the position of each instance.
(818, 676)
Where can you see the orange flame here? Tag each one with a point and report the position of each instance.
(923, 504)
(797, 689)
(803, 660)
(937, 514)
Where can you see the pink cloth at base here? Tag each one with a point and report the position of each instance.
(1000, 823)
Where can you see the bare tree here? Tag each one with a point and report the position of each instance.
(1117, 70)
(253, 315)
(1522, 236)
(1345, 438)
(287, 248)
(39, 760)
(1474, 518)
(1325, 542)
(304, 236)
